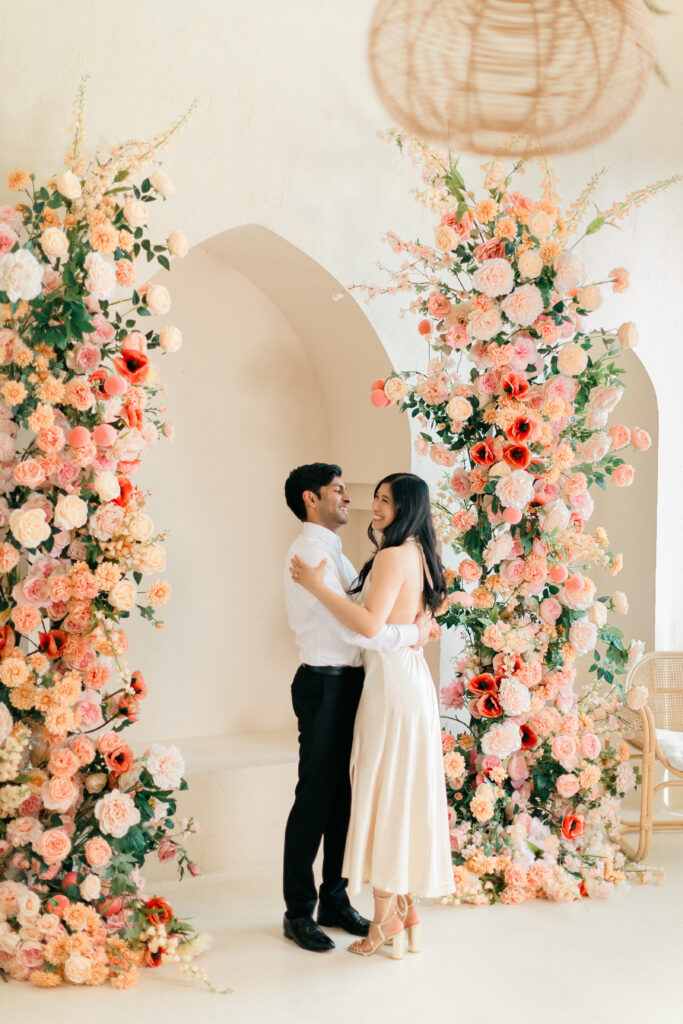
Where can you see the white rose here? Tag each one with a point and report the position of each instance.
(123, 595)
(77, 968)
(70, 512)
(68, 184)
(135, 213)
(178, 244)
(158, 300)
(107, 486)
(162, 183)
(583, 635)
(54, 242)
(90, 888)
(171, 339)
(29, 526)
(150, 559)
(628, 335)
(166, 766)
(21, 276)
(620, 602)
(141, 528)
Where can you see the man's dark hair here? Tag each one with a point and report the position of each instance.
(307, 478)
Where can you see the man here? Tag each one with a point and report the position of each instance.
(325, 695)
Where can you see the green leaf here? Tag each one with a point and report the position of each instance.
(595, 225)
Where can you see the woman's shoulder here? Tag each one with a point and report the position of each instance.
(396, 554)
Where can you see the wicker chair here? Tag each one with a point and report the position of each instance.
(662, 675)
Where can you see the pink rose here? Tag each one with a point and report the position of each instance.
(116, 813)
(461, 484)
(513, 571)
(166, 852)
(53, 846)
(623, 475)
(35, 590)
(567, 786)
(564, 752)
(518, 769)
(590, 746)
(502, 740)
(489, 762)
(550, 610)
(620, 435)
(453, 695)
(103, 332)
(488, 383)
(560, 386)
(441, 455)
(97, 852)
(439, 305)
(457, 337)
(89, 714)
(106, 521)
(7, 238)
(30, 953)
(85, 358)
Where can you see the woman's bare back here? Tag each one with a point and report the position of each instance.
(409, 601)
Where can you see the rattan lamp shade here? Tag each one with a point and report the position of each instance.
(557, 74)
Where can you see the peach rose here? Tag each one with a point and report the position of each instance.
(29, 526)
(59, 794)
(572, 359)
(141, 528)
(63, 762)
(623, 475)
(459, 409)
(97, 852)
(620, 435)
(598, 613)
(71, 512)
(395, 389)
(433, 390)
(469, 570)
(54, 242)
(77, 968)
(135, 213)
(162, 183)
(589, 298)
(550, 610)
(494, 277)
(523, 305)
(513, 571)
(485, 324)
(68, 184)
(53, 845)
(29, 473)
(116, 813)
(178, 244)
(640, 439)
(569, 272)
(101, 276)
(628, 335)
(123, 595)
(438, 453)
(567, 785)
(445, 238)
(583, 635)
(563, 750)
(158, 299)
(595, 448)
(171, 339)
(529, 263)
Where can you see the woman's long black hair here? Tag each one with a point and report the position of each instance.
(410, 495)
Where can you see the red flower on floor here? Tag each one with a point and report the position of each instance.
(158, 911)
(573, 826)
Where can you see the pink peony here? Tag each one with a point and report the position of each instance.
(453, 695)
(116, 813)
(563, 750)
(523, 305)
(583, 635)
(516, 490)
(550, 610)
(567, 786)
(590, 746)
(502, 740)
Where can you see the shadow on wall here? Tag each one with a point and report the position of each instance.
(273, 373)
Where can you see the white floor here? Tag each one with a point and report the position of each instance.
(614, 962)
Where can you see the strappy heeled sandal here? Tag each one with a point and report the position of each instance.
(397, 940)
(413, 931)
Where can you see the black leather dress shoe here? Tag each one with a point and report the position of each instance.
(305, 932)
(347, 918)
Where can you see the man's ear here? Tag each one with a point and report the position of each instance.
(310, 498)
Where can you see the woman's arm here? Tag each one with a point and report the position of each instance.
(368, 619)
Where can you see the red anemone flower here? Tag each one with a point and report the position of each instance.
(489, 706)
(517, 456)
(529, 737)
(523, 429)
(132, 365)
(482, 684)
(52, 643)
(573, 826)
(483, 453)
(515, 385)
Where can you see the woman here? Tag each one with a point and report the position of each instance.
(398, 833)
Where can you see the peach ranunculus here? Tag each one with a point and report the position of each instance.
(123, 595)
(523, 305)
(623, 475)
(529, 263)
(563, 750)
(459, 408)
(516, 490)
(97, 852)
(71, 512)
(494, 277)
(116, 813)
(485, 324)
(572, 359)
(53, 845)
(59, 794)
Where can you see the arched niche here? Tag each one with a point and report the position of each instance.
(273, 373)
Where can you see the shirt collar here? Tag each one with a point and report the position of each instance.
(322, 534)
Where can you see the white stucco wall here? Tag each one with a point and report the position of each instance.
(285, 136)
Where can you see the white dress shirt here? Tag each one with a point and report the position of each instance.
(320, 637)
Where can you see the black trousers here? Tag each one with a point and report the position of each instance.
(325, 707)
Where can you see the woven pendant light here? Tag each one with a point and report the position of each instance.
(557, 75)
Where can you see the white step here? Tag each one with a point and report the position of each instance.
(240, 791)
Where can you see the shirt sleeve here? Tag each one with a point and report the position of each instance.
(390, 637)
